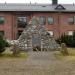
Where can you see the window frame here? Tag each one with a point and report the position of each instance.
(70, 31)
(2, 33)
(19, 23)
(3, 21)
(19, 32)
(48, 20)
(71, 22)
(44, 20)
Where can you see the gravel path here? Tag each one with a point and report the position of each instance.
(38, 63)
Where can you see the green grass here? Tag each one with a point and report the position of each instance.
(70, 57)
(9, 54)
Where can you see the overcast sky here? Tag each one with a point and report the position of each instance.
(37, 1)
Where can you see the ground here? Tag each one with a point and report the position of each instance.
(37, 63)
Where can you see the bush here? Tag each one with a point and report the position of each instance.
(2, 44)
(64, 50)
(68, 40)
(7, 44)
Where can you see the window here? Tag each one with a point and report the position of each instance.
(2, 33)
(42, 20)
(50, 20)
(71, 20)
(2, 20)
(22, 22)
(70, 32)
(19, 33)
(51, 33)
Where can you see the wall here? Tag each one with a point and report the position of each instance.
(59, 27)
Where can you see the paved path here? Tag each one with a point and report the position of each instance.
(43, 57)
(38, 63)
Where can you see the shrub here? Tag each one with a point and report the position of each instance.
(2, 44)
(64, 50)
(7, 44)
(68, 40)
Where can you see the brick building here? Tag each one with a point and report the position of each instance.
(57, 18)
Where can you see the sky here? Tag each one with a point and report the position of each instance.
(38, 1)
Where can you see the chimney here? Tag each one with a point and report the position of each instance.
(54, 2)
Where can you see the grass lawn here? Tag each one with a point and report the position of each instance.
(58, 55)
(9, 54)
(48, 64)
(70, 57)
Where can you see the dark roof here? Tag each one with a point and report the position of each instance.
(35, 7)
(60, 7)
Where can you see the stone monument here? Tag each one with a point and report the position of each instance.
(36, 37)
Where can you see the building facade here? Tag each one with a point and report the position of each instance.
(57, 19)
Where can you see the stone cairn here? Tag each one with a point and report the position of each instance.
(46, 42)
